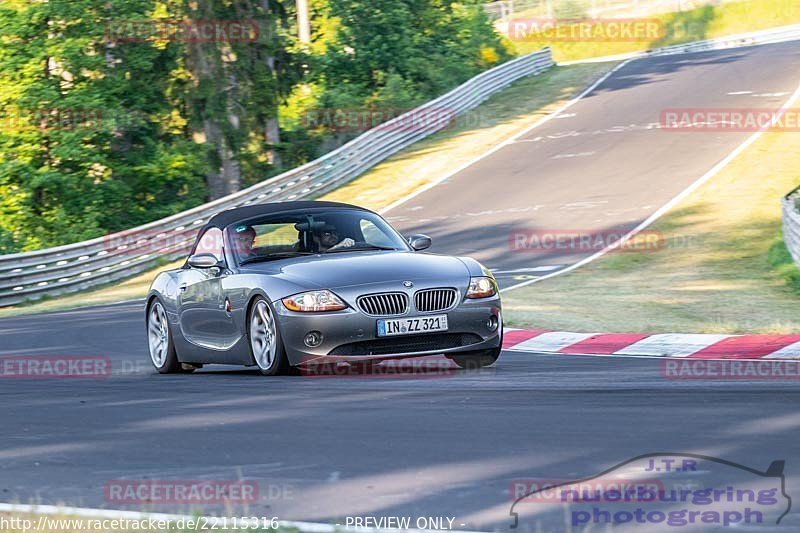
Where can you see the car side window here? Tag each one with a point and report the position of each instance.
(211, 243)
(373, 235)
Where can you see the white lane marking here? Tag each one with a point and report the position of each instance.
(508, 141)
(652, 126)
(672, 344)
(567, 115)
(571, 156)
(487, 212)
(737, 93)
(551, 342)
(791, 352)
(770, 95)
(545, 268)
(672, 203)
(584, 205)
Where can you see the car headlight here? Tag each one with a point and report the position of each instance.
(481, 287)
(314, 301)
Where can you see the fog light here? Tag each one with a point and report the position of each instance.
(313, 339)
(492, 323)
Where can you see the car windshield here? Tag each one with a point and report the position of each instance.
(294, 234)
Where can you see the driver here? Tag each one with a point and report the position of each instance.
(244, 237)
(327, 238)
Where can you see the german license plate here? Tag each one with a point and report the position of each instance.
(388, 327)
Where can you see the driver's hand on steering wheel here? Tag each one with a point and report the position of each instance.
(345, 243)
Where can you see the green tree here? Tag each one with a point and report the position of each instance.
(105, 123)
(92, 138)
(237, 88)
(397, 53)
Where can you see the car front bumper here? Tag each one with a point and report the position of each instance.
(351, 336)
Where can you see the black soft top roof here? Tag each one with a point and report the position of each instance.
(226, 218)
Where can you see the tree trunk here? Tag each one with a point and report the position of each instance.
(219, 88)
(272, 134)
(224, 176)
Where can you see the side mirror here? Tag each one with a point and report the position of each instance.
(419, 242)
(203, 261)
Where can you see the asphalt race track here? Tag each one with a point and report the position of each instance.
(604, 166)
(439, 444)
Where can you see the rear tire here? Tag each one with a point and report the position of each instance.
(159, 337)
(264, 339)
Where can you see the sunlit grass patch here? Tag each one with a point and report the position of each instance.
(732, 273)
(704, 22)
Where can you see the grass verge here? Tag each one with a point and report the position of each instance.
(504, 115)
(705, 22)
(723, 268)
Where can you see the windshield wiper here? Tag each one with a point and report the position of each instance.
(270, 257)
(359, 249)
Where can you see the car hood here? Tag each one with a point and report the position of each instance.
(346, 269)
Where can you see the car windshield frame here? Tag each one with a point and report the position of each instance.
(312, 216)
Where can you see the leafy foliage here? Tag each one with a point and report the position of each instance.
(398, 53)
(99, 134)
(90, 139)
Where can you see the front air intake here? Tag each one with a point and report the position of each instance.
(384, 304)
(430, 300)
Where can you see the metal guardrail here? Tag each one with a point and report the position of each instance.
(499, 10)
(791, 223)
(73, 267)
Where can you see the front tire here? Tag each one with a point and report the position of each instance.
(266, 344)
(479, 359)
(159, 337)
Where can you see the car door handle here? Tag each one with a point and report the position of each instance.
(182, 287)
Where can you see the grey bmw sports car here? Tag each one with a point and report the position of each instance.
(296, 284)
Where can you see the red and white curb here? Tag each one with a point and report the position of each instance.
(664, 345)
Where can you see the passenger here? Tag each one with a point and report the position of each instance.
(244, 237)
